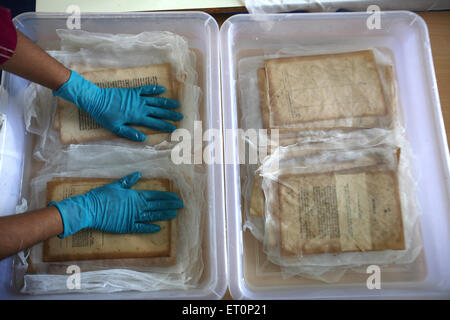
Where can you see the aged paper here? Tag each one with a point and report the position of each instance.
(323, 87)
(265, 110)
(257, 201)
(354, 208)
(263, 98)
(386, 74)
(81, 69)
(76, 126)
(92, 244)
(339, 212)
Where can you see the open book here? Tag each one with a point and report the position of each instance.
(339, 212)
(90, 244)
(77, 126)
(329, 91)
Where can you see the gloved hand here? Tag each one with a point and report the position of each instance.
(117, 208)
(116, 108)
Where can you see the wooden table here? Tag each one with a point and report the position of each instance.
(439, 28)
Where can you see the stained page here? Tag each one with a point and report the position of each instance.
(323, 87)
(77, 126)
(92, 244)
(339, 212)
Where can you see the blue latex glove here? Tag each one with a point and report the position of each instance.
(117, 208)
(115, 108)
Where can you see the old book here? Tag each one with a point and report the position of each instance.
(96, 245)
(339, 212)
(263, 98)
(323, 88)
(382, 121)
(77, 126)
(265, 109)
(81, 69)
(257, 201)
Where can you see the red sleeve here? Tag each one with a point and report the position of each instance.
(8, 35)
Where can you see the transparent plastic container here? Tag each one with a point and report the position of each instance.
(201, 31)
(405, 34)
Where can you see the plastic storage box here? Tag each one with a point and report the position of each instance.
(406, 35)
(201, 31)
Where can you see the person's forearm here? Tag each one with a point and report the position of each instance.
(21, 231)
(34, 64)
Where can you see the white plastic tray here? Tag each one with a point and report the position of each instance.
(201, 31)
(406, 35)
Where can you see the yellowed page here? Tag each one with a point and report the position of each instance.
(91, 244)
(338, 212)
(323, 87)
(257, 202)
(77, 126)
(134, 5)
